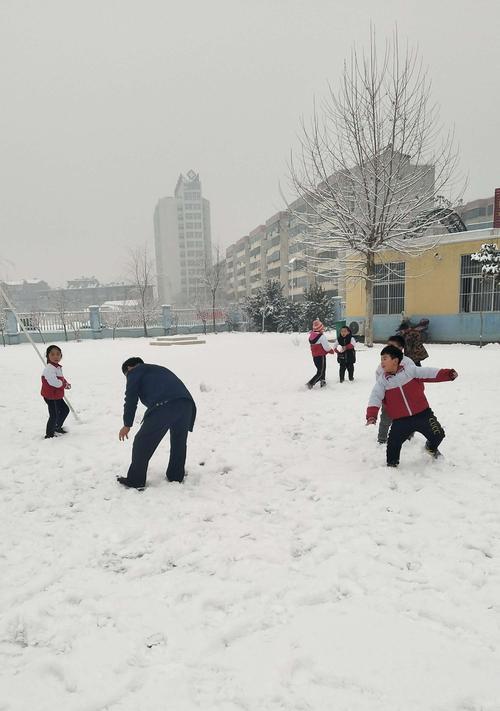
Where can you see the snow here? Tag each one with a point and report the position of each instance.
(291, 571)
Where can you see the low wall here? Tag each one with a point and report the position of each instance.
(450, 328)
(84, 334)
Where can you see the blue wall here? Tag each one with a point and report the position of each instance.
(449, 328)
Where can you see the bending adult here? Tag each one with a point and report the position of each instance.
(170, 406)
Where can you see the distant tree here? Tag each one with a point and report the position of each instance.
(318, 304)
(213, 272)
(60, 304)
(373, 167)
(35, 318)
(290, 317)
(489, 257)
(265, 307)
(3, 318)
(141, 272)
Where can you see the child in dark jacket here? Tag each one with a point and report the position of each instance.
(400, 388)
(344, 347)
(53, 386)
(320, 347)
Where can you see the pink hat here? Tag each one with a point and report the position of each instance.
(318, 326)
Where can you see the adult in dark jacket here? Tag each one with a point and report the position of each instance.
(169, 407)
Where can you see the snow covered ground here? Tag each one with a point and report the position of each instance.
(291, 571)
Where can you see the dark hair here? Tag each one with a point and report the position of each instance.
(397, 339)
(52, 348)
(393, 352)
(130, 363)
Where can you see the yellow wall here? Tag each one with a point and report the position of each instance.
(432, 284)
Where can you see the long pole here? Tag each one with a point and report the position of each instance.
(19, 321)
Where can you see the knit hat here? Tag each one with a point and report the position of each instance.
(318, 326)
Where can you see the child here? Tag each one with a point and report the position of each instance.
(400, 388)
(414, 344)
(385, 421)
(53, 386)
(319, 348)
(346, 355)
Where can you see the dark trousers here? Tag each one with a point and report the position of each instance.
(320, 363)
(384, 425)
(342, 369)
(58, 412)
(175, 416)
(425, 423)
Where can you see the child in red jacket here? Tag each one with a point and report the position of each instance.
(319, 349)
(53, 386)
(399, 386)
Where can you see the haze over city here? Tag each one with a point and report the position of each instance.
(105, 104)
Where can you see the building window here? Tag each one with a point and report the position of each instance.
(389, 288)
(476, 292)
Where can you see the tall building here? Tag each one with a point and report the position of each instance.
(183, 245)
(477, 214)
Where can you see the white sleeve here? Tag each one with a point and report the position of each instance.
(426, 372)
(324, 342)
(353, 342)
(50, 376)
(377, 394)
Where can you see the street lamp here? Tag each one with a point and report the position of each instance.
(290, 268)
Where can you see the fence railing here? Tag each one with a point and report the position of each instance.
(45, 321)
(96, 322)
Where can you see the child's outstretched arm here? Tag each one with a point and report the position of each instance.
(435, 375)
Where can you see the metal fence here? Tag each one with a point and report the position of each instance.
(45, 321)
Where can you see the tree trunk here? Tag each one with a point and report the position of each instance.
(213, 311)
(370, 274)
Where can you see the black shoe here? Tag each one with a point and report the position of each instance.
(433, 452)
(341, 380)
(125, 482)
(382, 441)
(322, 384)
(49, 436)
(392, 464)
(351, 380)
(61, 430)
(310, 386)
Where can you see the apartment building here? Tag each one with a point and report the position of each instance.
(183, 245)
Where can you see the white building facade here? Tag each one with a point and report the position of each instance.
(183, 245)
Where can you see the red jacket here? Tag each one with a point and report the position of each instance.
(403, 392)
(319, 344)
(53, 382)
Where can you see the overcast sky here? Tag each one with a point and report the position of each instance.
(105, 102)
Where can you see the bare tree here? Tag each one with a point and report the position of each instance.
(3, 318)
(372, 166)
(60, 304)
(36, 321)
(212, 278)
(114, 317)
(142, 272)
